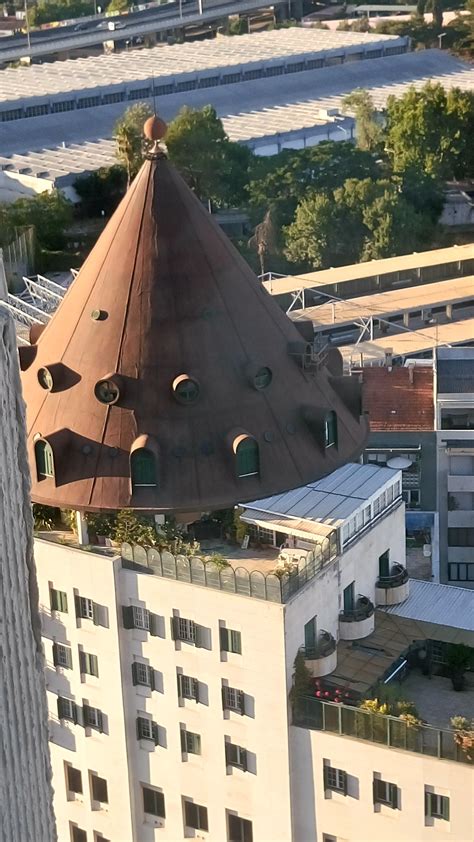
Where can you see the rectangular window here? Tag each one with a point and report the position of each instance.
(385, 793)
(62, 656)
(233, 699)
(310, 630)
(77, 834)
(143, 674)
(348, 597)
(462, 571)
(437, 806)
(58, 600)
(461, 536)
(185, 630)
(89, 664)
(190, 743)
(67, 709)
(330, 430)
(84, 608)
(147, 729)
(154, 802)
(384, 564)
(230, 641)
(195, 816)
(335, 780)
(92, 717)
(136, 617)
(236, 756)
(74, 779)
(240, 830)
(188, 688)
(99, 789)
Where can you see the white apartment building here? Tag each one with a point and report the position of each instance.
(168, 682)
(25, 775)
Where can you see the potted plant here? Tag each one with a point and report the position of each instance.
(458, 660)
(464, 734)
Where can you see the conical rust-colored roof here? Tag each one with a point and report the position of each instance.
(166, 347)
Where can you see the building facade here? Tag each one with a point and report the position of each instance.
(26, 813)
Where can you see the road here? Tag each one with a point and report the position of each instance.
(169, 16)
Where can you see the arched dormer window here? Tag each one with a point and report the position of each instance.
(330, 429)
(143, 468)
(44, 459)
(247, 456)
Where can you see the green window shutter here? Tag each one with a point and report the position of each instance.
(393, 795)
(224, 639)
(94, 665)
(95, 614)
(127, 615)
(151, 675)
(155, 733)
(184, 746)
(190, 816)
(143, 468)
(179, 679)
(77, 604)
(195, 689)
(242, 702)
(248, 460)
(153, 624)
(243, 759)
(198, 636)
(445, 807)
(82, 662)
(134, 674)
(310, 634)
(428, 804)
(175, 628)
(68, 658)
(224, 698)
(62, 601)
(203, 824)
(236, 642)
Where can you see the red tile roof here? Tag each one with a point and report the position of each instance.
(400, 399)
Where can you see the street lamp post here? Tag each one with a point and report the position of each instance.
(28, 38)
(440, 39)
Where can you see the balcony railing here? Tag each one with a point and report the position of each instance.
(363, 609)
(388, 731)
(398, 576)
(325, 646)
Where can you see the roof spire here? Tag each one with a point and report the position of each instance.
(154, 130)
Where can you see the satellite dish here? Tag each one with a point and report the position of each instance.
(399, 463)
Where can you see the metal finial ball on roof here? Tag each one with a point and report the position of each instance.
(155, 128)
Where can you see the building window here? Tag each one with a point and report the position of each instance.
(99, 838)
(147, 729)
(190, 743)
(462, 571)
(58, 600)
(247, 456)
(335, 780)
(310, 634)
(89, 664)
(77, 834)
(236, 756)
(195, 816)
(67, 709)
(233, 699)
(99, 789)
(436, 806)
(385, 793)
(384, 564)
(92, 718)
(185, 630)
(230, 641)
(44, 460)
(136, 617)
(143, 674)
(154, 802)
(62, 656)
(143, 468)
(348, 597)
(240, 830)
(74, 779)
(84, 608)
(461, 536)
(330, 429)
(188, 688)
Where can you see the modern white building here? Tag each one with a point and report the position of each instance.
(26, 813)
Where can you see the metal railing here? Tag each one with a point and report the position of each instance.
(388, 731)
(363, 609)
(324, 646)
(400, 577)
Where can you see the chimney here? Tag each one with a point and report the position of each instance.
(411, 374)
(389, 358)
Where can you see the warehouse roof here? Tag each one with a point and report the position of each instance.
(64, 160)
(191, 58)
(409, 342)
(442, 605)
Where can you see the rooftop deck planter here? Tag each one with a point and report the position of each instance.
(392, 589)
(357, 622)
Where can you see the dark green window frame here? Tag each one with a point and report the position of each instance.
(437, 806)
(248, 458)
(330, 429)
(44, 459)
(89, 664)
(236, 756)
(143, 468)
(190, 742)
(154, 802)
(230, 640)
(385, 793)
(58, 600)
(195, 816)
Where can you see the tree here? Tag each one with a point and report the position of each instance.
(214, 167)
(316, 237)
(264, 239)
(301, 680)
(101, 190)
(436, 8)
(118, 6)
(431, 131)
(49, 213)
(369, 129)
(128, 133)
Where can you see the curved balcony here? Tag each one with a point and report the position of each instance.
(321, 659)
(393, 589)
(359, 621)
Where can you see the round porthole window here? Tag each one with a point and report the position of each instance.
(45, 379)
(263, 378)
(107, 391)
(185, 389)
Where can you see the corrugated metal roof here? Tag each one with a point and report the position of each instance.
(332, 499)
(443, 605)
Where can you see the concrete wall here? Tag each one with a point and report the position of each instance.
(25, 774)
(355, 818)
